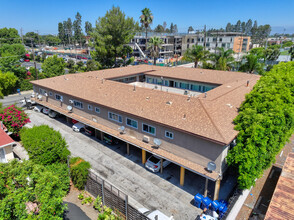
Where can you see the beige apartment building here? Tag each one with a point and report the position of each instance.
(189, 110)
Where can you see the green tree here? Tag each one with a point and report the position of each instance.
(146, 20)
(53, 66)
(155, 43)
(77, 27)
(265, 123)
(7, 83)
(112, 32)
(223, 59)
(51, 40)
(91, 65)
(44, 145)
(271, 55)
(159, 29)
(252, 64)
(79, 170)
(88, 28)
(9, 36)
(196, 54)
(287, 44)
(190, 29)
(61, 32)
(31, 38)
(24, 182)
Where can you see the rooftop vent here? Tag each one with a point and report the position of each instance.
(169, 102)
(147, 98)
(205, 94)
(247, 83)
(230, 105)
(228, 86)
(184, 116)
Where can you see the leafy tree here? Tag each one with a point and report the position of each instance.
(164, 25)
(68, 29)
(53, 66)
(14, 118)
(243, 27)
(159, 29)
(287, 44)
(155, 43)
(248, 27)
(91, 65)
(291, 52)
(79, 170)
(265, 123)
(196, 54)
(238, 26)
(61, 32)
(229, 27)
(31, 38)
(88, 28)
(51, 40)
(7, 83)
(258, 51)
(252, 64)
(223, 59)
(271, 54)
(9, 36)
(44, 145)
(190, 29)
(146, 20)
(112, 32)
(80, 64)
(77, 27)
(25, 182)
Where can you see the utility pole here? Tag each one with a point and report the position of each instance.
(21, 35)
(36, 73)
(216, 42)
(204, 43)
(38, 37)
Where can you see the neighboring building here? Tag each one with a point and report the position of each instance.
(179, 43)
(6, 143)
(281, 205)
(190, 110)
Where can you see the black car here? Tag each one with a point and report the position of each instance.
(108, 139)
(89, 130)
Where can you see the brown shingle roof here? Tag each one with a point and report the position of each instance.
(209, 117)
(281, 206)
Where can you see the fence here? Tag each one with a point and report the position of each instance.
(232, 200)
(112, 197)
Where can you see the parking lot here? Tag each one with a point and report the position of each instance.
(126, 172)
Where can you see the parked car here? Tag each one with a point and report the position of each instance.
(153, 163)
(26, 60)
(29, 102)
(155, 215)
(21, 60)
(45, 110)
(52, 114)
(78, 127)
(89, 130)
(38, 108)
(108, 139)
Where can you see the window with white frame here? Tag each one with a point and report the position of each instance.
(78, 104)
(132, 123)
(58, 97)
(169, 134)
(97, 110)
(90, 107)
(41, 91)
(115, 117)
(149, 129)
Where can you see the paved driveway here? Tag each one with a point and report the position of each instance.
(153, 191)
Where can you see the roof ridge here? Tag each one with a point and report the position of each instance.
(210, 118)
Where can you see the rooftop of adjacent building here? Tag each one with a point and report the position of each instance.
(5, 139)
(209, 116)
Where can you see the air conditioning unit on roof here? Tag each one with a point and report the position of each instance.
(146, 139)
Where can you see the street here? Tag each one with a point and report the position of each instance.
(146, 189)
(15, 98)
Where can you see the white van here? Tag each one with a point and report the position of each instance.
(78, 127)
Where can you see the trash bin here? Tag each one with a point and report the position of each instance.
(198, 200)
(18, 91)
(206, 203)
(223, 207)
(215, 205)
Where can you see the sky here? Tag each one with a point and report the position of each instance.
(43, 16)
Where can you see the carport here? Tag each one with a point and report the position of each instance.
(145, 147)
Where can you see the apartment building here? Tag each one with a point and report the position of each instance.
(189, 110)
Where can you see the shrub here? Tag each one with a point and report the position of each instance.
(79, 170)
(81, 196)
(98, 203)
(87, 200)
(14, 118)
(44, 145)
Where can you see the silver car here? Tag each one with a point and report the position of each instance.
(153, 163)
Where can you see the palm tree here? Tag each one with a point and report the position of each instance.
(291, 52)
(146, 19)
(223, 59)
(196, 54)
(154, 46)
(252, 64)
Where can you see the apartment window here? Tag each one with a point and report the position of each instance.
(169, 134)
(220, 39)
(90, 107)
(50, 93)
(207, 44)
(41, 91)
(78, 104)
(223, 45)
(192, 40)
(114, 117)
(214, 39)
(97, 109)
(188, 40)
(132, 123)
(2, 156)
(59, 97)
(188, 45)
(207, 39)
(148, 129)
(231, 39)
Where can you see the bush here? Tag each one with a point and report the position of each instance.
(98, 203)
(14, 118)
(44, 145)
(87, 200)
(25, 85)
(79, 170)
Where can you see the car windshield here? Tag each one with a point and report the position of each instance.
(154, 159)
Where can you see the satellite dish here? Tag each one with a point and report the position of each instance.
(69, 108)
(71, 101)
(122, 129)
(211, 166)
(46, 94)
(157, 142)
